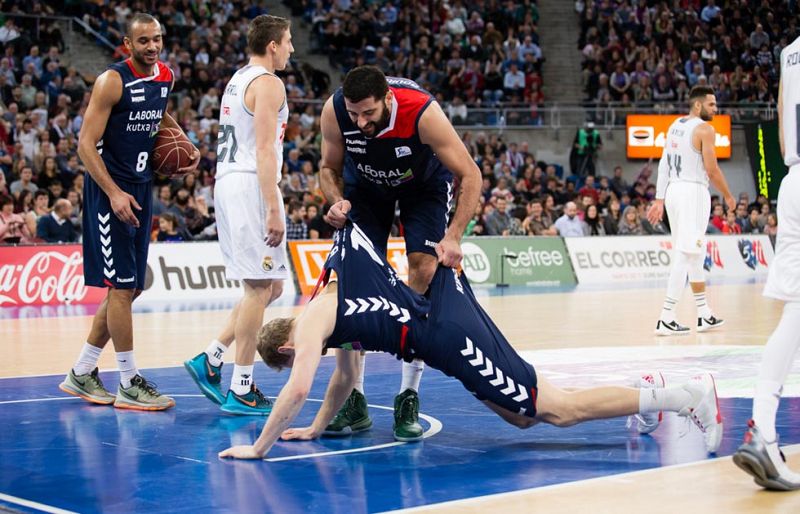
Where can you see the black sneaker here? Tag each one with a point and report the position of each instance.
(670, 328)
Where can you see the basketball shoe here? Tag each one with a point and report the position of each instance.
(646, 423)
(712, 322)
(765, 462)
(88, 386)
(670, 328)
(142, 395)
(206, 376)
(704, 409)
(254, 403)
(406, 416)
(352, 417)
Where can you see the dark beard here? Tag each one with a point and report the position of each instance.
(382, 123)
(705, 115)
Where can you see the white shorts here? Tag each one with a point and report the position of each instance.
(688, 207)
(240, 213)
(783, 281)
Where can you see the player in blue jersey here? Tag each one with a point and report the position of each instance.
(127, 108)
(448, 330)
(387, 142)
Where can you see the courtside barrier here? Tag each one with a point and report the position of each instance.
(619, 259)
(53, 275)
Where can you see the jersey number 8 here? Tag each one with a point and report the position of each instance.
(141, 162)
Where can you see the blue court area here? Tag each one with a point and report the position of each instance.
(63, 453)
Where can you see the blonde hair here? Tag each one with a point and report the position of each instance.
(272, 336)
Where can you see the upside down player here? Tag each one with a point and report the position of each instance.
(447, 329)
(126, 110)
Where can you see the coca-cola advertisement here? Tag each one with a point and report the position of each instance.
(44, 275)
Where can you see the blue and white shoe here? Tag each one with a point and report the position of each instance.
(207, 377)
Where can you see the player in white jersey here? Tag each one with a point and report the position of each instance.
(249, 210)
(687, 166)
(759, 455)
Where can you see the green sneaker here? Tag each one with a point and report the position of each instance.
(406, 416)
(352, 417)
(254, 403)
(207, 377)
(88, 386)
(142, 395)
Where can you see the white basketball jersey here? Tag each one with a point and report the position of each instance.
(236, 144)
(790, 76)
(685, 162)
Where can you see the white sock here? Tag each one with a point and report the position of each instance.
(668, 310)
(215, 351)
(127, 368)
(703, 310)
(775, 366)
(241, 379)
(412, 374)
(670, 399)
(87, 360)
(360, 380)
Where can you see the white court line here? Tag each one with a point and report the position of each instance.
(790, 450)
(22, 502)
(435, 427)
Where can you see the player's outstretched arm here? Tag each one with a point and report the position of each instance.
(310, 332)
(707, 140)
(340, 386)
(330, 168)
(106, 93)
(436, 131)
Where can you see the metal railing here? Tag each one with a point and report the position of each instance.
(70, 22)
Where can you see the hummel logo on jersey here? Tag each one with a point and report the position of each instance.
(137, 99)
(125, 280)
(139, 91)
(402, 151)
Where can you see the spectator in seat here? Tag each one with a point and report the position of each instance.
(631, 224)
(25, 181)
(594, 222)
(731, 226)
(12, 226)
(752, 224)
(569, 224)
(296, 227)
(168, 228)
(498, 222)
(57, 228)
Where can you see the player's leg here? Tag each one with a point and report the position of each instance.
(243, 396)
(760, 455)
(205, 368)
(373, 212)
(697, 275)
(129, 253)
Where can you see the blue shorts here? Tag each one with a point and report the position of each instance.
(115, 253)
(466, 344)
(424, 211)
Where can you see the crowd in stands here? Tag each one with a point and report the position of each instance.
(644, 52)
(465, 52)
(43, 99)
(523, 196)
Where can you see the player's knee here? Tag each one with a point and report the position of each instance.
(523, 422)
(421, 268)
(122, 295)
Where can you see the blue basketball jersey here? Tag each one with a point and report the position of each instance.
(130, 132)
(376, 310)
(395, 157)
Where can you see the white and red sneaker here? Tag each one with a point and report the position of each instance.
(646, 423)
(703, 409)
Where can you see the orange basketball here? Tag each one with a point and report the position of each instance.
(172, 151)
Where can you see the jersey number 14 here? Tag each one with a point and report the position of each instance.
(674, 163)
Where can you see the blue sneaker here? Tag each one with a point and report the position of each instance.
(254, 403)
(207, 377)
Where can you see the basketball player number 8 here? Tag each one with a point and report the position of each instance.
(141, 161)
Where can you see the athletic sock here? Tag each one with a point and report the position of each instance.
(241, 379)
(776, 363)
(127, 368)
(668, 310)
(359, 386)
(87, 360)
(215, 351)
(703, 310)
(412, 374)
(670, 399)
